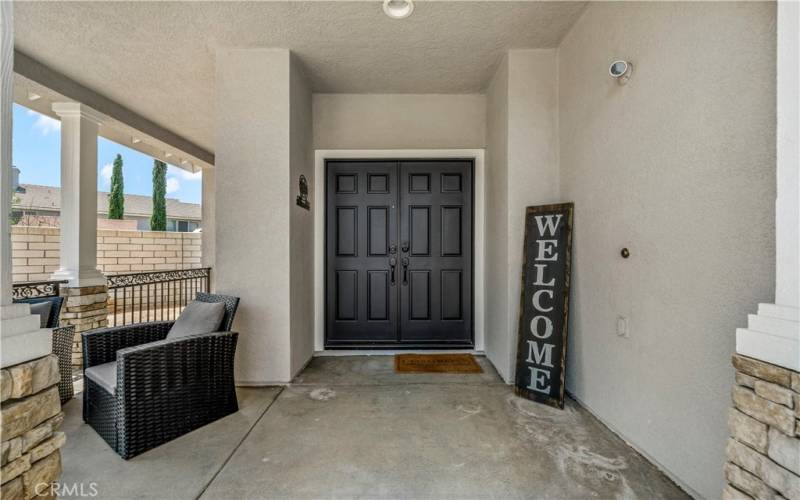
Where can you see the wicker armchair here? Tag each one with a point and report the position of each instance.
(62, 344)
(164, 387)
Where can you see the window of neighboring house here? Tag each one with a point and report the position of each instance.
(182, 226)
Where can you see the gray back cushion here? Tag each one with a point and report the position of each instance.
(198, 317)
(43, 310)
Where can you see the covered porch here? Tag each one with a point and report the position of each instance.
(350, 427)
(684, 179)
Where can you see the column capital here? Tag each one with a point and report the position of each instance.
(67, 109)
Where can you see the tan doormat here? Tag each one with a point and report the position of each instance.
(436, 363)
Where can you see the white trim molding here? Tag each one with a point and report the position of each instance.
(320, 155)
(773, 335)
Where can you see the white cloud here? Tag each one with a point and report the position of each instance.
(172, 184)
(185, 174)
(105, 174)
(45, 125)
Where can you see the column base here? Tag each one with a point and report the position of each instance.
(80, 278)
(772, 335)
(21, 336)
(86, 308)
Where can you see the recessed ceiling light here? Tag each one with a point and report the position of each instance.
(33, 96)
(135, 140)
(167, 154)
(398, 9)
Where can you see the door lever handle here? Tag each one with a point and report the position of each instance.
(392, 265)
(405, 271)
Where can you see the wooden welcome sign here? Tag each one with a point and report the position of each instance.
(544, 307)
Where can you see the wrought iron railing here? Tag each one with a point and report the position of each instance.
(36, 289)
(153, 296)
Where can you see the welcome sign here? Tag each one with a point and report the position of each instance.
(544, 307)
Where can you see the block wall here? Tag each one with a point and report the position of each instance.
(35, 251)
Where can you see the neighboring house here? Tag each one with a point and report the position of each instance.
(41, 205)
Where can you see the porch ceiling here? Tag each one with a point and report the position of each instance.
(157, 58)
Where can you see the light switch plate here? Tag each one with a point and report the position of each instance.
(622, 327)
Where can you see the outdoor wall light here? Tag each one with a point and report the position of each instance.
(398, 9)
(621, 71)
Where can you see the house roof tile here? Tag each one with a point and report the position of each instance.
(38, 197)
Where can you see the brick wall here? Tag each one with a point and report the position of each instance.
(35, 251)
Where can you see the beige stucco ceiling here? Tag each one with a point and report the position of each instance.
(157, 58)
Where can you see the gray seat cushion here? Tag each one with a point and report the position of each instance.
(198, 317)
(43, 310)
(104, 375)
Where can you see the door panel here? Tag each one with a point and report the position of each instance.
(399, 253)
(436, 305)
(361, 227)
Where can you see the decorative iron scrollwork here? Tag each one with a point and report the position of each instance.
(123, 280)
(36, 289)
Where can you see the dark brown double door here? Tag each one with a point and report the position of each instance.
(398, 254)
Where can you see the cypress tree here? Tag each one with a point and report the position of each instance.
(116, 200)
(158, 221)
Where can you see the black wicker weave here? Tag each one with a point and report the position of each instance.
(165, 387)
(62, 348)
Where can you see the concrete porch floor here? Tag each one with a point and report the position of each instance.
(349, 427)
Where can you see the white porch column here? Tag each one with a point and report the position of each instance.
(209, 219)
(773, 335)
(20, 334)
(79, 125)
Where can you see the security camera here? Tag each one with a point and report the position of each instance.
(621, 70)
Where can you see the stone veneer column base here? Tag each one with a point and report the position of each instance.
(31, 415)
(764, 448)
(85, 307)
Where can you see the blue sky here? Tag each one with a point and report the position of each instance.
(36, 152)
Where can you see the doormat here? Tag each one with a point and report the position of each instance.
(436, 363)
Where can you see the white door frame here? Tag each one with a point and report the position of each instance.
(320, 155)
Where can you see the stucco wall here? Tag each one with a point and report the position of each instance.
(399, 121)
(302, 222)
(497, 326)
(678, 166)
(252, 163)
(532, 157)
(522, 170)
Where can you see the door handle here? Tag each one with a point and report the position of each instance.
(405, 271)
(392, 265)
(405, 247)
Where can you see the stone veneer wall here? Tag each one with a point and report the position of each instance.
(31, 415)
(86, 308)
(764, 447)
(35, 251)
